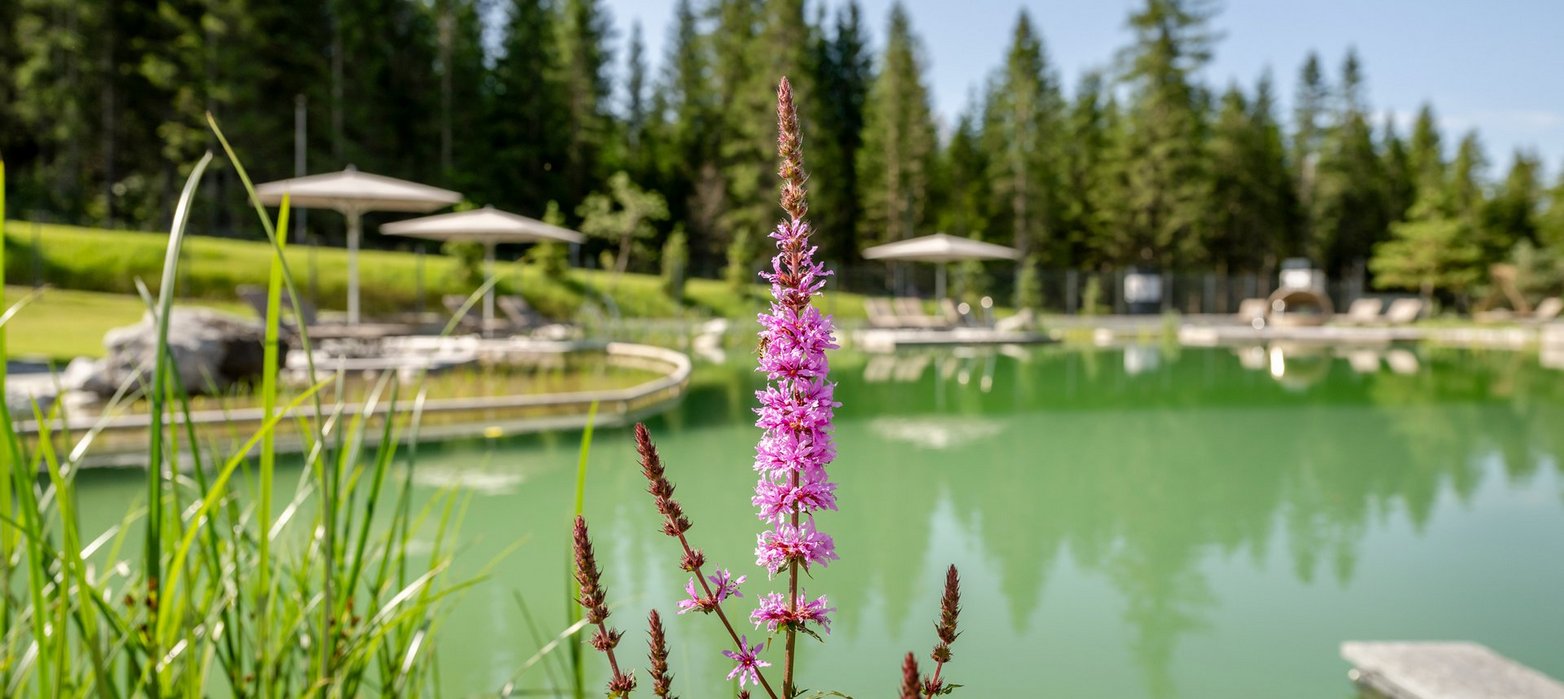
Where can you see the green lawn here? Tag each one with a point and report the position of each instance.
(73, 260)
(63, 323)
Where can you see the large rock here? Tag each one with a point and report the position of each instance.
(210, 351)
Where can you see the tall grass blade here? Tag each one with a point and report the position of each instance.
(160, 361)
(270, 364)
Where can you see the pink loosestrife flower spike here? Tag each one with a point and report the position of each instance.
(798, 403)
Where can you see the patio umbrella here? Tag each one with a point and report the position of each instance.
(354, 193)
(489, 226)
(941, 249)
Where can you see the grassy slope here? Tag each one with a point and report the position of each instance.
(63, 323)
(67, 321)
(99, 260)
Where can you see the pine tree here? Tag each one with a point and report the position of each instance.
(1550, 223)
(1463, 192)
(1511, 215)
(524, 108)
(898, 140)
(1428, 254)
(687, 144)
(1166, 173)
(1021, 131)
(390, 105)
(967, 203)
(734, 187)
(1425, 155)
(635, 94)
(463, 143)
(844, 70)
(582, 32)
(1310, 106)
(1236, 240)
(1088, 194)
(1348, 212)
(1400, 180)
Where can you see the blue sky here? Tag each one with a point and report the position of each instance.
(1493, 65)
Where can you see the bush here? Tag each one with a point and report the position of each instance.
(676, 258)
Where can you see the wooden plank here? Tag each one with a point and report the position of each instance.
(1444, 670)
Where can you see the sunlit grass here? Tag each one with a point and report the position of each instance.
(207, 587)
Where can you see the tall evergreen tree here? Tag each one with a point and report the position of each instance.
(844, 69)
(1311, 106)
(1348, 211)
(732, 187)
(1510, 216)
(524, 106)
(1400, 180)
(1022, 125)
(463, 146)
(1425, 154)
(1088, 180)
(1550, 223)
(1251, 188)
(1166, 173)
(687, 147)
(966, 210)
(583, 30)
(1463, 192)
(898, 140)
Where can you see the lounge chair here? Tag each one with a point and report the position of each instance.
(1252, 312)
(958, 315)
(520, 314)
(1403, 311)
(880, 313)
(1547, 311)
(1364, 311)
(1023, 320)
(910, 310)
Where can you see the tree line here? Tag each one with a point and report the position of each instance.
(524, 103)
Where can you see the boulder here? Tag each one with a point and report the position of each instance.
(210, 350)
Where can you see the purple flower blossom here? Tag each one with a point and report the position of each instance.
(724, 586)
(773, 612)
(749, 664)
(786, 544)
(798, 403)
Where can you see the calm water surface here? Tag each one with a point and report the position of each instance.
(1149, 522)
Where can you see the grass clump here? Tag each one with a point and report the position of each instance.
(208, 587)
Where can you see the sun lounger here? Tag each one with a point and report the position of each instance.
(910, 310)
(1364, 311)
(1024, 319)
(1403, 311)
(1547, 311)
(880, 313)
(520, 314)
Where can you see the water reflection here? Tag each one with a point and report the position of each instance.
(1181, 523)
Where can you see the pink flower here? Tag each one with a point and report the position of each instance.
(773, 612)
(749, 664)
(724, 586)
(786, 543)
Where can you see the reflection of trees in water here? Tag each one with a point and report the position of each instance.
(1143, 477)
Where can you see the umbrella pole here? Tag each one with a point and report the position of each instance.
(939, 282)
(488, 292)
(353, 236)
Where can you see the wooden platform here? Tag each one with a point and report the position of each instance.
(887, 340)
(1444, 670)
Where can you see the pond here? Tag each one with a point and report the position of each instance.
(1141, 522)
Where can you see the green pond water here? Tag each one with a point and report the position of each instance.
(1150, 522)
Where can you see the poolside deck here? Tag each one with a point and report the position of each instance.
(886, 340)
(1454, 670)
